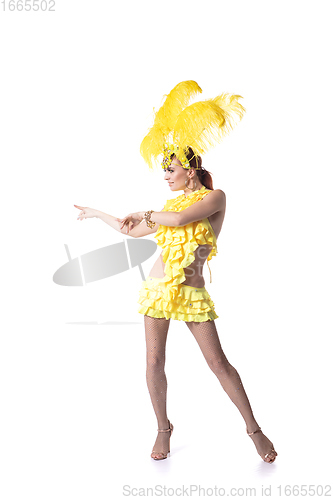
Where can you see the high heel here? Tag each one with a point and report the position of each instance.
(270, 452)
(164, 455)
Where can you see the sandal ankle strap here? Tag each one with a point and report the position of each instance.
(250, 433)
(166, 430)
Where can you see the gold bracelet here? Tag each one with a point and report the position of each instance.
(147, 216)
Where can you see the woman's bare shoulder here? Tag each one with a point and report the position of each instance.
(219, 190)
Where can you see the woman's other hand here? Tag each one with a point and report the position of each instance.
(86, 212)
(131, 220)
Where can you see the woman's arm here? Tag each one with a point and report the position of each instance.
(163, 218)
(111, 221)
(142, 230)
(209, 205)
(137, 232)
(88, 213)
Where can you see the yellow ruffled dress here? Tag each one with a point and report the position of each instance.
(167, 297)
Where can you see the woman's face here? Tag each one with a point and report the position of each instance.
(176, 175)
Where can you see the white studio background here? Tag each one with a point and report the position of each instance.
(77, 91)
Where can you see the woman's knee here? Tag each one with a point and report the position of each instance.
(155, 362)
(219, 365)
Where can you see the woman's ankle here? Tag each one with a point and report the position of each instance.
(163, 424)
(252, 426)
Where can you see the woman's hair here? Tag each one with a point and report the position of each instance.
(195, 162)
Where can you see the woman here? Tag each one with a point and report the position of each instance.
(187, 231)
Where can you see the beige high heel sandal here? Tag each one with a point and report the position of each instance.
(164, 455)
(272, 450)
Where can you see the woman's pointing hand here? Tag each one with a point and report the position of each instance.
(86, 212)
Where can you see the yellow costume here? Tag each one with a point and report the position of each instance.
(167, 297)
(180, 129)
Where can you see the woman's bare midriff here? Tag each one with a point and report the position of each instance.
(194, 272)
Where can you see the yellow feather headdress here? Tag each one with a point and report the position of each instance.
(178, 126)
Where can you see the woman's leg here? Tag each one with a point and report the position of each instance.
(156, 330)
(206, 335)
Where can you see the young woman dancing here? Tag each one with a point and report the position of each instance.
(187, 231)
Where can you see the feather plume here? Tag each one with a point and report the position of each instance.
(166, 118)
(204, 124)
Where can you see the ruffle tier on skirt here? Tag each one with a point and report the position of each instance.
(191, 304)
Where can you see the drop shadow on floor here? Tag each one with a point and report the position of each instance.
(103, 323)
